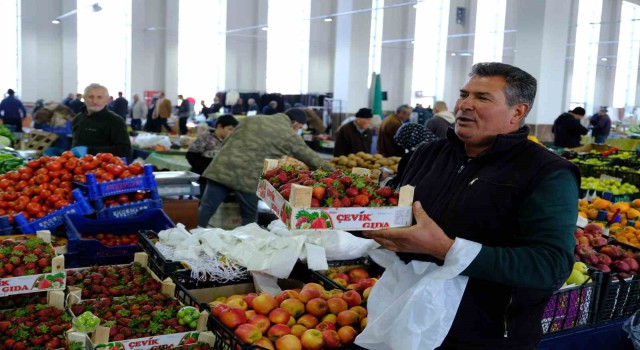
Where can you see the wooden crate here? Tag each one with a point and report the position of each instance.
(38, 140)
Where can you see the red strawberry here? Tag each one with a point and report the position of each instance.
(336, 203)
(18, 271)
(270, 173)
(385, 191)
(392, 201)
(376, 202)
(113, 331)
(315, 203)
(4, 325)
(351, 192)
(327, 182)
(361, 200)
(43, 263)
(346, 180)
(333, 193)
(286, 193)
(308, 182)
(282, 177)
(346, 202)
(318, 192)
(118, 337)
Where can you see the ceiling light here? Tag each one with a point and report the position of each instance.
(328, 19)
(95, 7)
(453, 54)
(55, 21)
(264, 28)
(413, 42)
(465, 54)
(604, 59)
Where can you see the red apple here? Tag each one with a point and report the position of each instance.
(286, 294)
(366, 293)
(324, 325)
(347, 335)
(218, 309)
(329, 318)
(264, 303)
(298, 329)
(578, 232)
(279, 316)
(295, 307)
(603, 268)
(366, 283)
(265, 343)
(260, 321)
(356, 275)
(312, 339)
(307, 294)
(352, 298)
(348, 318)
(363, 323)
(288, 342)
(593, 229)
(360, 311)
(249, 297)
(248, 333)
(317, 307)
(336, 305)
(341, 282)
(278, 330)
(232, 317)
(331, 339)
(239, 303)
(315, 286)
(335, 275)
(633, 264)
(308, 321)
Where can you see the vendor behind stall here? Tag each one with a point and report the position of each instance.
(207, 145)
(99, 129)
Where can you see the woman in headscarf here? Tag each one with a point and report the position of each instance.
(410, 136)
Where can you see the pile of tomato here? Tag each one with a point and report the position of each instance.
(137, 196)
(45, 184)
(112, 240)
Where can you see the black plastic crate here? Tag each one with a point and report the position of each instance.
(322, 278)
(619, 297)
(573, 307)
(162, 266)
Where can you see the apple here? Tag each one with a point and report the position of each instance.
(239, 303)
(633, 264)
(324, 325)
(288, 342)
(326, 295)
(337, 293)
(215, 303)
(317, 307)
(336, 305)
(278, 330)
(363, 323)
(356, 275)
(315, 286)
(611, 250)
(352, 298)
(298, 329)
(234, 297)
(360, 311)
(279, 316)
(295, 307)
(329, 318)
(353, 286)
(621, 266)
(578, 232)
(598, 241)
(307, 294)
(604, 259)
(265, 343)
(341, 275)
(260, 321)
(348, 318)
(603, 268)
(347, 335)
(249, 297)
(286, 294)
(341, 282)
(218, 309)
(366, 293)
(291, 322)
(248, 333)
(232, 317)
(312, 339)
(308, 321)
(331, 339)
(264, 303)
(366, 283)
(593, 229)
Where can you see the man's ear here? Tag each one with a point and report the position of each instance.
(520, 110)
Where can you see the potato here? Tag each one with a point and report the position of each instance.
(367, 156)
(360, 154)
(351, 163)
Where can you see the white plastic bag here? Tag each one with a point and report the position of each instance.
(413, 305)
(150, 140)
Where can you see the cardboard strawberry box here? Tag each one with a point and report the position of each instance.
(52, 279)
(298, 214)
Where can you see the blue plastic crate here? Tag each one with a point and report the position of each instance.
(96, 191)
(55, 219)
(65, 130)
(128, 210)
(92, 252)
(5, 227)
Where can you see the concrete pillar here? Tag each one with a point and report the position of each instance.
(541, 51)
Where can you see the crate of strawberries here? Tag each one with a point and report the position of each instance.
(339, 200)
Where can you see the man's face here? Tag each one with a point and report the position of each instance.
(405, 114)
(96, 100)
(223, 132)
(482, 112)
(363, 123)
(135, 97)
(239, 101)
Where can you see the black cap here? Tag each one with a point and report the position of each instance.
(296, 114)
(578, 111)
(11, 92)
(364, 113)
(226, 120)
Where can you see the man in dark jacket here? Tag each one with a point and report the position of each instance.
(567, 128)
(10, 109)
(355, 136)
(506, 202)
(98, 128)
(76, 104)
(121, 106)
(601, 124)
(183, 114)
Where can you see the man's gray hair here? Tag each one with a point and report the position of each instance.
(96, 86)
(402, 108)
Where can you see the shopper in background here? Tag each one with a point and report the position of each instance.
(137, 110)
(238, 108)
(238, 165)
(442, 120)
(410, 136)
(567, 129)
(215, 107)
(355, 136)
(271, 108)
(390, 125)
(183, 114)
(67, 100)
(508, 203)
(121, 106)
(601, 126)
(10, 109)
(76, 104)
(207, 145)
(152, 125)
(253, 106)
(162, 112)
(98, 128)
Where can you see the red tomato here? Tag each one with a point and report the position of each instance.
(137, 196)
(21, 185)
(66, 177)
(54, 166)
(71, 164)
(33, 208)
(55, 174)
(42, 179)
(61, 203)
(34, 164)
(107, 177)
(90, 165)
(79, 178)
(115, 169)
(5, 183)
(123, 198)
(135, 169)
(67, 155)
(13, 175)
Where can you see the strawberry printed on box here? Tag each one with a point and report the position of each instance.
(303, 211)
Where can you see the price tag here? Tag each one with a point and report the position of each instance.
(581, 222)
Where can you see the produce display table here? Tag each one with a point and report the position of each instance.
(604, 336)
(623, 144)
(173, 162)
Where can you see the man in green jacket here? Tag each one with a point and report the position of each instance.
(98, 128)
(238, 166)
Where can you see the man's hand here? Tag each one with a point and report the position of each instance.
(425, 237)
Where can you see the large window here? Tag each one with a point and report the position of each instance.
(104, 45)
(9, 27)
(288, 46)
(375, 38)
(489, 38)
(201, 48)
(585, 57)
(430, 51)
(624, 91)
